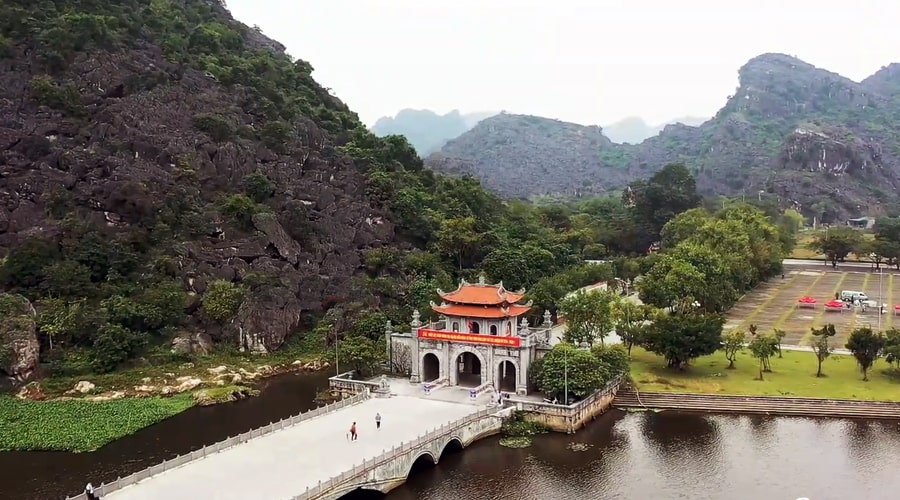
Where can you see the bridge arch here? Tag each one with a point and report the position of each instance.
(453, 445)
(425, 460)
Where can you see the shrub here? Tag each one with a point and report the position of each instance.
(258, 187)
(61, 97)
(214, 125)
(241, 209)
(276, 135)
(222, 300)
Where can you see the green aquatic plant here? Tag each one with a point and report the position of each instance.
(78, 424)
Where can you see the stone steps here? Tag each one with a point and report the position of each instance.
(720, 403)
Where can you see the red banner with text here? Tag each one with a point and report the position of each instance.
(471, 338)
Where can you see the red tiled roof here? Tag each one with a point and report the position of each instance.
(481, 311)
(481, 295)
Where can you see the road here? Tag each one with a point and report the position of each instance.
(823, 265)
(284, 463)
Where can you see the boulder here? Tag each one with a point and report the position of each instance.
(83, 387)
(265, 319)
(187, 383)
(19, 347)
(218, 370)
(192, 343)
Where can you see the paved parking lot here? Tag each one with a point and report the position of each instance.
(774, 304)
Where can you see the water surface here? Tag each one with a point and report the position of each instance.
(47, 475)
(678, 456)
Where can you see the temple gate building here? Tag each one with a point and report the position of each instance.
(482, 340)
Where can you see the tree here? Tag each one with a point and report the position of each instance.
(458, 238)
(732, 344)
(588, 315)
(683, 226)
(613, 357)
(401, 359)
(681, 338)
(866, 346)
(836, 243)
(668, 192)
(630, 318)
(579, 367)
(362, 354)
(892, 347)
(820, 344)
(763, 347)
(779, 336)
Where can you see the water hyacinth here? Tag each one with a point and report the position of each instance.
(79, 425)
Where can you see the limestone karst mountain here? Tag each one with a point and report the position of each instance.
(803, 135)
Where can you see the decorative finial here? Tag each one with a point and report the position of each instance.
(388, 327)
(415, 319)
(547, 320)
(523, 327)
(481, 279)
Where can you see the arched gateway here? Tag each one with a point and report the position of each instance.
(482, 340)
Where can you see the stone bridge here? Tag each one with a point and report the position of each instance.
(392, 468)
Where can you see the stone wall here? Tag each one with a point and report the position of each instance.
(561, 418)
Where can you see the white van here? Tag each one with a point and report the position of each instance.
(853, 295)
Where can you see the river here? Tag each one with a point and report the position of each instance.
(628, 456)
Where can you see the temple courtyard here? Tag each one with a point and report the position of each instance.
(774, 304)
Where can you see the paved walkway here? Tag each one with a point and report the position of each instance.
(283, 464)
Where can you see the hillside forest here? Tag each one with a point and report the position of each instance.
(172, 184)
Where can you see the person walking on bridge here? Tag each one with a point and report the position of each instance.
(378, 420)
(353, 432)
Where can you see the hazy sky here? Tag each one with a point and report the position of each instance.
(585, 61)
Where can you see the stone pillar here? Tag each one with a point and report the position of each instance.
(522, 372)
(415, 355)
(387, 341)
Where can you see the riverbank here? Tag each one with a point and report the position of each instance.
(764, 405)
(92, 410)
(792, 375)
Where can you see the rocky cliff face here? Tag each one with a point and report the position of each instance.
(19, 347)
(521, 156)
(190, 174)
(752, 144)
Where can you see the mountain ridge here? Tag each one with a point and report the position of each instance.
(426, 130)
(757, 141)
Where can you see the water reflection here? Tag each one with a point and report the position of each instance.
(45, 475)
(678, 456)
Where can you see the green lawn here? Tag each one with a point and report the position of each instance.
(79, 425)
(793, 375)
(804, 250)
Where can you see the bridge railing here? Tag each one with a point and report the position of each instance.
(390, 455)
(180, 460)
(346, 382)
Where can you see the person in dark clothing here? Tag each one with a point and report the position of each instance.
(353, 432)
(378, 420)
(89, 492)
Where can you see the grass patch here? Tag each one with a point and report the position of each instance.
(793, 375)
(79, 425)
(223, 394)
(804, 247)
(156, 367)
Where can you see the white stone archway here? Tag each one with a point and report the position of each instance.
(442, 364)
(507, 374)
(458, 351)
